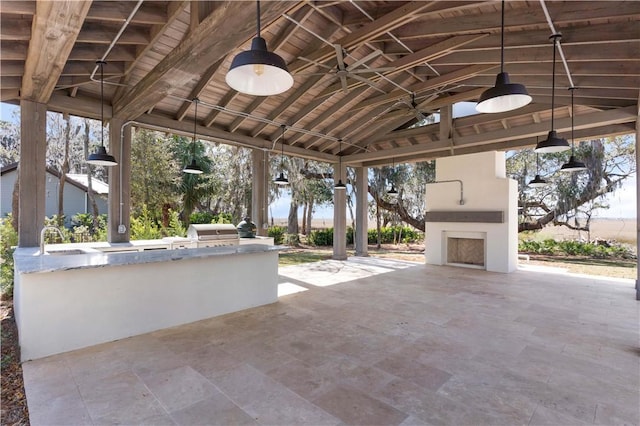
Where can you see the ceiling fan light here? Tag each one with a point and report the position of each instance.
(193, 168)
(573, 165)
(259, 72)
(102, 158)
(537, 182)
(281, 180)
(552, 143)
(504, 96)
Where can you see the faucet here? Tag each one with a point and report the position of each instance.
(44, 231)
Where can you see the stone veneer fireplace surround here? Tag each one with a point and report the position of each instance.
(489, 212)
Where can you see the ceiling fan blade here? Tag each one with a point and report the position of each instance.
(343, 82)
(339, 56)
(366, 81)
(370, 70)
(364, 60)
(315, 62)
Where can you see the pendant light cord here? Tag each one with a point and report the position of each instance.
(553, 77)
(101, 63)
(340, 158)
(572, 115)
(195, 122)
(502, 40)
(282, 143)
(258, 17)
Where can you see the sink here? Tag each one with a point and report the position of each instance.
(64, 252)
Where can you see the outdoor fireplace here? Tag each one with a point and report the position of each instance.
(472, 214)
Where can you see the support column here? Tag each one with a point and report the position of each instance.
(260, 190)
(32, 172)
(446, 125)
(638, 203)
(362, 211)
(119, 214)
(339, 214)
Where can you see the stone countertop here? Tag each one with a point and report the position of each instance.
(28, 260)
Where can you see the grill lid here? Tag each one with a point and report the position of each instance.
(213, 231)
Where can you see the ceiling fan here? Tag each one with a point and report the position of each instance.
(344, 70)
(413, 107)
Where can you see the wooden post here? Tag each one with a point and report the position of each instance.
(118, 217)
(31, 173)
(260, 190)
(339, 214)
(362, 211)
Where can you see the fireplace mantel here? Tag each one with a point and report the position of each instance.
(465, 216)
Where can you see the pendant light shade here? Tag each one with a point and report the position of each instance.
(101, 157)
(537, 181)
(193, 168)
(573, 165)
(553, 143)
(257, 71)
(281, 179)
(504, 96)
(340, 185)
(393, 192)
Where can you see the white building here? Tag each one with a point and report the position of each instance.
(76, 197)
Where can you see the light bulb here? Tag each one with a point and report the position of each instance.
(258, 69)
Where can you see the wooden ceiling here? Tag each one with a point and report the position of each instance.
(162, 54)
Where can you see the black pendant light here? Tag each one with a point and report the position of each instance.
(193, 168)
(257, 71)
(537, 181)
(393, 192)
(504, 96)
(340, 185)
(553, 143)
(281, 179)
(573, 165)
(101, 157)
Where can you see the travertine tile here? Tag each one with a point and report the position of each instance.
(179, 388)
(216, 410)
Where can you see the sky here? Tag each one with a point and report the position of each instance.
(622, 202)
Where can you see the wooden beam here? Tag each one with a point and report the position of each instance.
(200, 48)
(197, 91)
(55, 28)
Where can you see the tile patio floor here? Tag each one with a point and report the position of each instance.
(371, 342)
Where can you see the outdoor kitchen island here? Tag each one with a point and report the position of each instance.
(71, 301)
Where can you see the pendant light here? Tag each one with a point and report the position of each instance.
(257, 71)
(193, 168)
(553, 143)
(537, 181)
(340, 185)
(101, 157)
(504, 96)
(573, 165)
(392, 192)
(281, 179)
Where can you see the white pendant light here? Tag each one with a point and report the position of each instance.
(193, 168)
(101, 157)
(281, 179)
(504, 96)
(257, 71)
(573, 165)
(553, 143)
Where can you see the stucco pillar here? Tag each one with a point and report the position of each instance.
(362, 211)
(118, 217)
(259, 190)
(339, 214)
(638, 204)
(31, 173)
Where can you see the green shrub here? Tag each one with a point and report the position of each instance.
(8, 241)
(403, 234)
(277, 233)
(599, 250)
(144, 227)
(321, 237)
(208, 217)
(176, 227)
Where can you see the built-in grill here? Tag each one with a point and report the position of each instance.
(213, 235)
